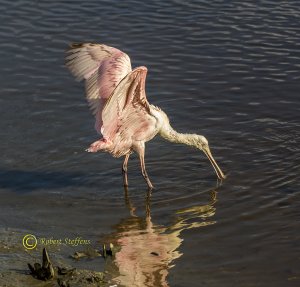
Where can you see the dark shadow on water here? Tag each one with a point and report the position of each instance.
(27, 181)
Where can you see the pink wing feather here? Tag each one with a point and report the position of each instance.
(126, 115)
(103, 68)
(128, 99)
(115, 93)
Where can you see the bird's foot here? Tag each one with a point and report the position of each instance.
(150, 187)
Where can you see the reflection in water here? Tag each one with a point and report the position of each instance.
(147, 251)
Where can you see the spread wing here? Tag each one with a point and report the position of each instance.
(102, 67)
(127, 110)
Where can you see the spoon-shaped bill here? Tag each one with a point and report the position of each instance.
(218, 171)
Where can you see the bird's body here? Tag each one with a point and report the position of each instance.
(116, 95)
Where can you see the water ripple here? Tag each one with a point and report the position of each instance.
(226, 69)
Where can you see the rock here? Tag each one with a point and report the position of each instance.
(62, 283)
(31, 268)
(42, 272)
(91, 253)
(78, 255)
(95, 278)
(65, 277)
(65, 271)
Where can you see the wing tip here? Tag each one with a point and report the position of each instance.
(142, 68)
(74, 46)
(78, 45)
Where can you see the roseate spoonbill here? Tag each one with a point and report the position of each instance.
(117, 98)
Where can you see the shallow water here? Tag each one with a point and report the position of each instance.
(226, 69)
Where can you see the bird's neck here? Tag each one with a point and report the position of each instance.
(168, 133)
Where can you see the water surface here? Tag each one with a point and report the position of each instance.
(226, 69)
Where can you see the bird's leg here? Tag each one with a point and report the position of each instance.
(145, 175)
(124, 170)
(141, 152)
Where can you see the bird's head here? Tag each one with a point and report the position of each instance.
(202, 144)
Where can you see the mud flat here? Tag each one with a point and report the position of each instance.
(15, 271)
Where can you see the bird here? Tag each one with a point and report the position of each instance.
(117, 98)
